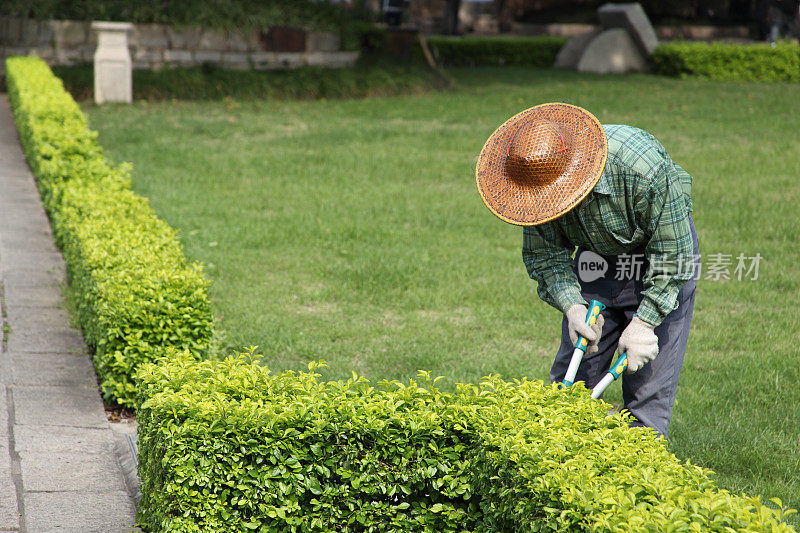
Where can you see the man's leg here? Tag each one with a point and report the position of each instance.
(649, 394)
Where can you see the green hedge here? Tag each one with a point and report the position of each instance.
(134, 292)
(228, 446)
(369, 78)
(735, 62)
(490, 51)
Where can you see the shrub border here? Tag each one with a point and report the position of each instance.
(228, 446)
(133, 290)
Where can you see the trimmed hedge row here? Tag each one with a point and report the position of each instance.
(735, 62)
(228, 446)
(133, 290)
(493, 51)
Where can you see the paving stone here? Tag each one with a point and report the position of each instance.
(10, 242)
(20, 190)
(33, 260)
(9, 511)
(60, 340)
(47, 296)
(52, 369)
(62, 439)
(32, 230)
(58, 406)
(10, 202)
(70, 471)
(13, 162)
(3, 410)
(87, 512)
(11, 177)
(21, 317)
(27, 221)
(34, 276)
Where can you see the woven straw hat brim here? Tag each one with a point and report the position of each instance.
(526, 205)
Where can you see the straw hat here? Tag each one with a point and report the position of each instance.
(541, 163)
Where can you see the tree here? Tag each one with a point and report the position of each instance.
(450, 17)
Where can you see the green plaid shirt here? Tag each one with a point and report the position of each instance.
(643, 199)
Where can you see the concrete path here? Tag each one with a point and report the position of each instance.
(60, 464)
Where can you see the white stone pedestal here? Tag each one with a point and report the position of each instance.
(113, 80)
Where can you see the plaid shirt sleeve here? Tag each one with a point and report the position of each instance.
(662, 210)
(548, 257)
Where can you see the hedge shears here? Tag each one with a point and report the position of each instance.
(581, 345)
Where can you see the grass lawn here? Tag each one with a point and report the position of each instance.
(351, 231)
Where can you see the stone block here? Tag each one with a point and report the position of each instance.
(70, 471)
(212, 40)
(58, 406)
(318, 41)
(612, 51)
(148, 56)
(62, 439)
(290, 59)
(86, 52)
(10, 31)
(48, 30)
(88, 512)
(236, 42)
(263, 60)
(632, 18)
(235, 60)
(68, 56)
(331, 59)
(570, 54)
(205, 56)
(149, 36)
(15, 51)
(45, 53)
(29, 32)
(52, 369)
(185, 38)
(72, 33)
(180, 57)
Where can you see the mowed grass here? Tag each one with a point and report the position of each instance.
(351, 231)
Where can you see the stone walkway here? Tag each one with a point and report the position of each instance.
(62, 467)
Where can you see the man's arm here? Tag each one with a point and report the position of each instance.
(548, 258)
(664, 213)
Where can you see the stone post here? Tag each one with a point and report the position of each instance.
(113, 80)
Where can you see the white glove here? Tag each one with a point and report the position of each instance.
(640, 342)
(576, 322)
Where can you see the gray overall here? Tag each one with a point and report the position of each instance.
(649, 393)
